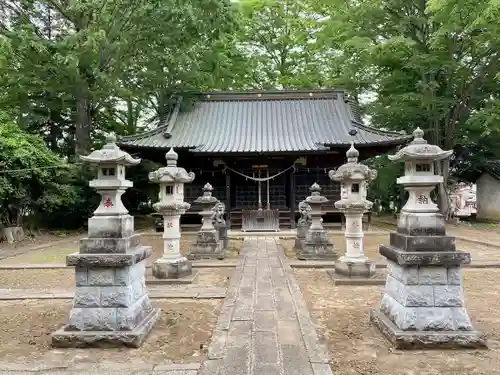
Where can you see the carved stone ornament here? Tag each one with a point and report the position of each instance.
(171, 173)
(218, 212)
(352, 169)
(304, 210)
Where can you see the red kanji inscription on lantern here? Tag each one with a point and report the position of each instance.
(170, 224)
(108, 203)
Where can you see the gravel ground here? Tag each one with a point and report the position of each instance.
(182, 333)
(356, 347)
(65, 278)
(57, 254)
(372, 243)
(34, 279)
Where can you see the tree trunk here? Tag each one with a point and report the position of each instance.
(83, 125)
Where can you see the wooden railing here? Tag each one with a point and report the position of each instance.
(260, 220)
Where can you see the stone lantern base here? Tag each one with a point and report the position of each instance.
(207, 246)
(172, 269)
(302, 229)
(423, 304)
(223, 238)
(355, 268)
(355, 272)
(317, 246)
(111, 306)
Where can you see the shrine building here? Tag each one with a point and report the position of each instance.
(262, 150)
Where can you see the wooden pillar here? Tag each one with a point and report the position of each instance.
(292, 198)
(228, 198)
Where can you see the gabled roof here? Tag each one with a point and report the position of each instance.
(272, 121)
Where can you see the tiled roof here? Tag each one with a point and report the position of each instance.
(279, 121)
(493, 168)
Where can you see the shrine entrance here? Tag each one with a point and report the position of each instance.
(260, 193)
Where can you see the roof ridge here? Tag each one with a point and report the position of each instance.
(170, 122)
(263, 95)
(163, 126)
(273, 91)
(380, 131)
(132, 137)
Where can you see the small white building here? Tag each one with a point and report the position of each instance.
(463, 200)
(488, 192)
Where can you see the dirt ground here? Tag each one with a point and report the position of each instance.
(64, 278)
(356, 347)
(182, 333)
(479, 253)
(39, 238)
(57, 253)
(469, 229)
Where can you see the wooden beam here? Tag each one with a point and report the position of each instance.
(292, 198)
(228, 197)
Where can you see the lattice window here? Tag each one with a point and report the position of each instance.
(303, 181)
(247, 196)
(191, 192)
(277, 196)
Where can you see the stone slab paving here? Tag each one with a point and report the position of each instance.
(155, 292)
(264, 326)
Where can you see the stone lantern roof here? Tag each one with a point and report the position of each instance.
(352, 170)
(110, 154)
(419, 149)
(171, 173)
(207, 197)
(315, 196)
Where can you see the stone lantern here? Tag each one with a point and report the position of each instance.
(423, 303)
(207, 240)
(111, 304)
(171, 205)
(354, 178)
(316, 246)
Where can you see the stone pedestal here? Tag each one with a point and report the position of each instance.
(423, 303)
(207, 244)
(302, 229)
(111, 305)
(316, 245)
(223, 238)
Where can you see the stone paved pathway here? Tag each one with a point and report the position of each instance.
(264, 326)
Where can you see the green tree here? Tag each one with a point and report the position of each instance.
(432, 64)
(69, 66)
(33, 179)
(279, 39)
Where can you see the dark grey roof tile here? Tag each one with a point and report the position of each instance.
(271, 122)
